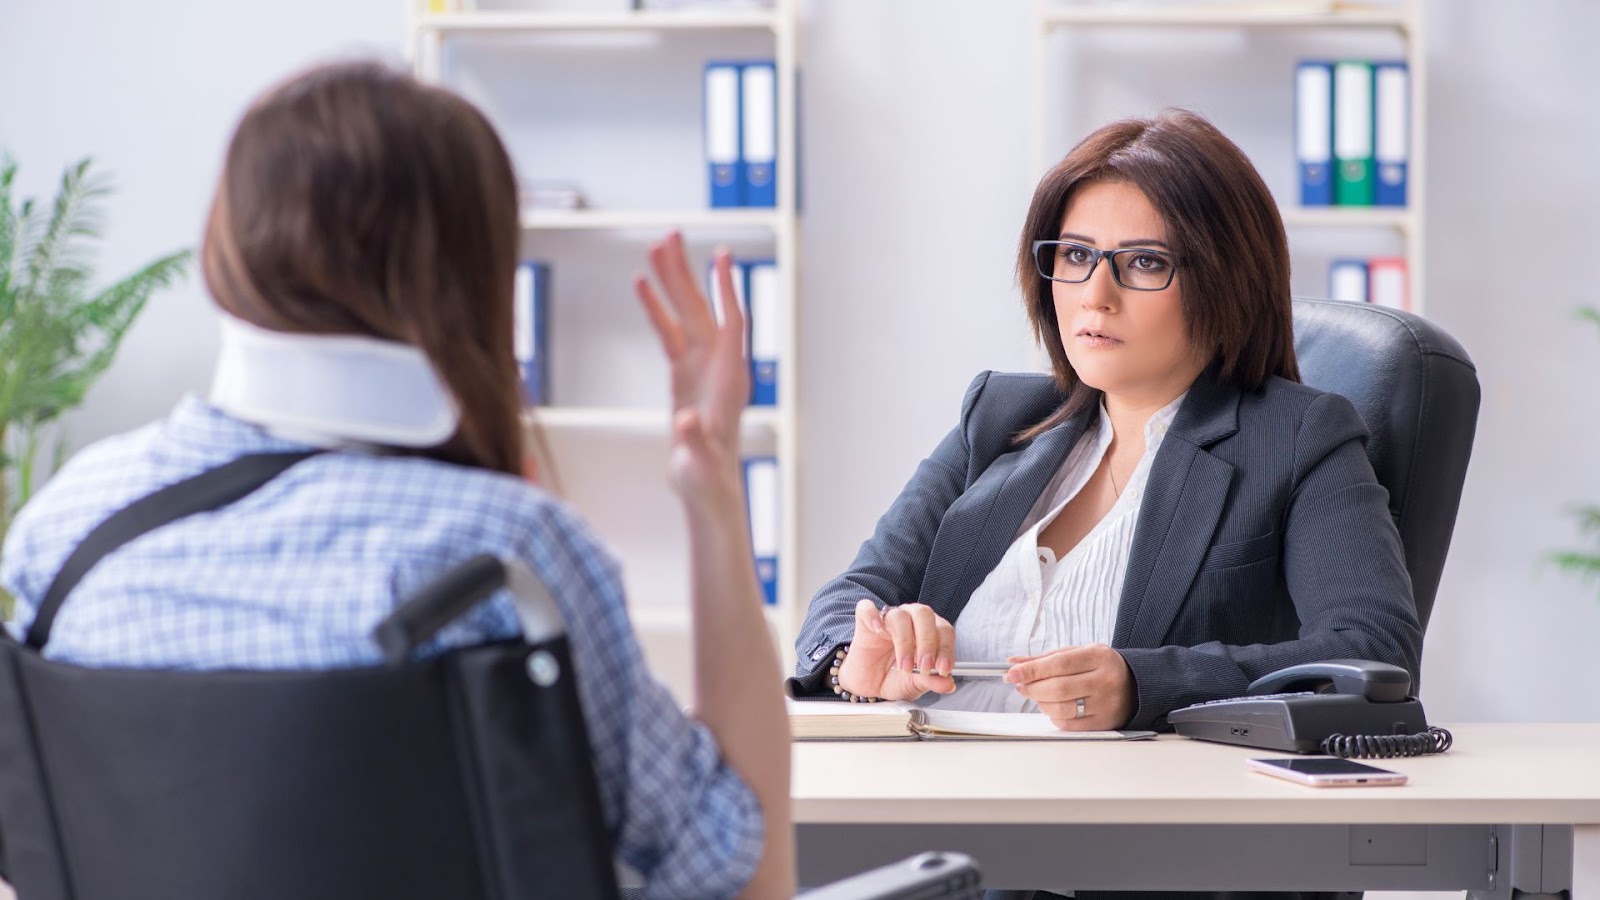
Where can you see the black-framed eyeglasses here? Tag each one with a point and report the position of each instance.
(1135, 268)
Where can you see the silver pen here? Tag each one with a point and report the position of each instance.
(976, 670)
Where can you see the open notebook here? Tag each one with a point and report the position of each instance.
(831, 720)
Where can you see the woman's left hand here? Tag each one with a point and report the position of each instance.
(1056, 681)
(710, 375)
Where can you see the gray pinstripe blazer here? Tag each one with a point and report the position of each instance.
(1264, 539)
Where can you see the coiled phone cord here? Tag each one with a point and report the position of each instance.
(1387, 746)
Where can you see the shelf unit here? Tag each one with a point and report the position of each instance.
(650, 220)
(1403, 18)
(637, 418)
(1235, 15)
(565, 20)
(658, 598)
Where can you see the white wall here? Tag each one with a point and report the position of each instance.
(917, 172)
(152, 92)
(1516, 140)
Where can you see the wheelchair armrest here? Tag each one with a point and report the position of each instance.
(926, 876)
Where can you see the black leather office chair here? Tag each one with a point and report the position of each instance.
(1417, 391)
(464, 775)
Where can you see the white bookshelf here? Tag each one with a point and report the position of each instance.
(1404, 221)
(1286, 17)
(584, 436)
(654, 220)
(489, 21)
(1233, 15)
(647, 419)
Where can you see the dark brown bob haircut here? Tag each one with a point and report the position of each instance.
(356, 200)
(1224, 228)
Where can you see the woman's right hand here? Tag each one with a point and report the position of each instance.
(888, 645)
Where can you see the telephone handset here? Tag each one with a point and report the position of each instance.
(1340, 707)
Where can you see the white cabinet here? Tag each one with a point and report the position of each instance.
(610, 100)
(1234, 62)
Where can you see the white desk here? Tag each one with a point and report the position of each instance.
(1509, 807)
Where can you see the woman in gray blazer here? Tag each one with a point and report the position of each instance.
(1167, 516)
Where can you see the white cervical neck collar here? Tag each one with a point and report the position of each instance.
(331, 390)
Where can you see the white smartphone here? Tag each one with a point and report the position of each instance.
(1326, 771)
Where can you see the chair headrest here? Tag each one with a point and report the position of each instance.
(1417, 390)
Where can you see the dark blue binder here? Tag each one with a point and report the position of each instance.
(530, 330)
(1391, 83)
(1349, 280)
(758, 103)
(722, 134)
(761, 493)
(764, 299)
(1313, 145)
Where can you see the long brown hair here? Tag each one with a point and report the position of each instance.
(356, 200)
(1222, 224)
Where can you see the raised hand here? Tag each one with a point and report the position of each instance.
(710, 375)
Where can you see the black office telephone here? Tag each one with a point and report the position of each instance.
(1341, 707)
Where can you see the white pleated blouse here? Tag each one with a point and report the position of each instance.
(1032, 602)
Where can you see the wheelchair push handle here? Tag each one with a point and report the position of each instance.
(437, 604)
(448, 597)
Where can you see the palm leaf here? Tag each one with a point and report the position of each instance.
(1590, 314)
(31, 342)
(28, 344)
(23, 226)
(56, 336)
(52, 255)
(105, 318)
(1589, 520)
(8, 232)
(1585, 565)
(70, 352)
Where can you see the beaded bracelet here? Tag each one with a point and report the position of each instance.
(833, 679)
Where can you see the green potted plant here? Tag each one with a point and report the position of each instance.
(1585, 563)
(57, 333)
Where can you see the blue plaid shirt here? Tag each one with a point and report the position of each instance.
(296, 575)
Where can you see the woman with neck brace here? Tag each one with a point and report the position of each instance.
(361, 249)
